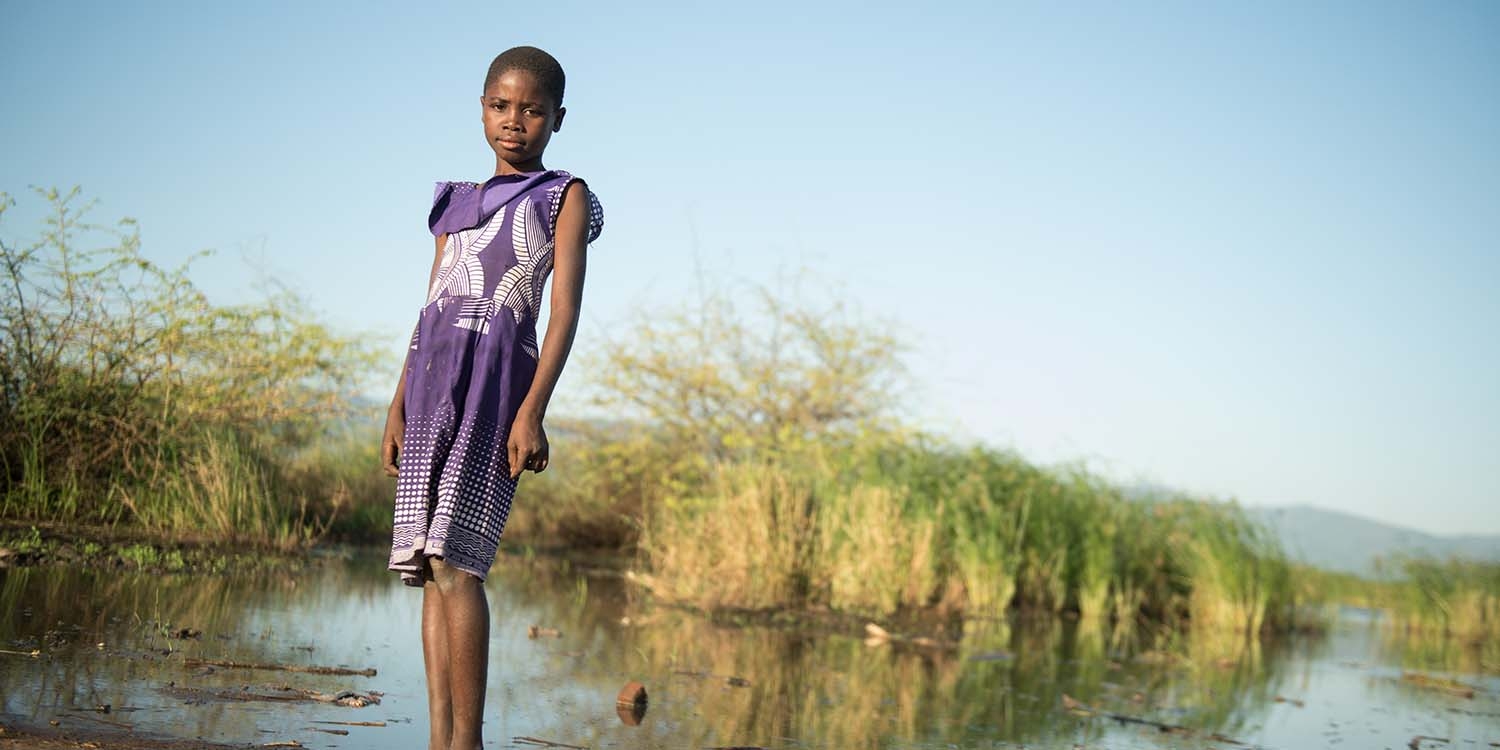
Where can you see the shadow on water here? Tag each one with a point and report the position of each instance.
(127, 641)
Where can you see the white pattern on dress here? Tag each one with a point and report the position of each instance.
(460, 273)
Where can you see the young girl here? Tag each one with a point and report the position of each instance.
(466, 419)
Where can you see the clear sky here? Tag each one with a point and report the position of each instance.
(1243, 249)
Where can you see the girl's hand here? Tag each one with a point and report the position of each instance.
(390, 444)
(527, 445)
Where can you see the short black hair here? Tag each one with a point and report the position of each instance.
(534, 61)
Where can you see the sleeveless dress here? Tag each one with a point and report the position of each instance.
(472, 358)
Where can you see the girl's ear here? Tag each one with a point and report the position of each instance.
(557, 123)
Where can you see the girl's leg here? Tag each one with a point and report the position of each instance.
(466, 614)
(435, 657)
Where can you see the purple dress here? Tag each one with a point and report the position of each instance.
(472, 358)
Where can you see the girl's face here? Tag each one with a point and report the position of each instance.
(519, 118)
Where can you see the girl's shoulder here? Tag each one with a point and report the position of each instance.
(558, 187)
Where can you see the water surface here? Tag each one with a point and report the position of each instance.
(115, 639)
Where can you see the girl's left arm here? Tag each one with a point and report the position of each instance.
(527, 446)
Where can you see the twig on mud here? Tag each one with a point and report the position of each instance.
(546, 743)
(1416, 742)
(339, 732)
(34, 653)
(283, 743)
(354, 723)
(309, 669)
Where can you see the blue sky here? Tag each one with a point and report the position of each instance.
(1249, 250)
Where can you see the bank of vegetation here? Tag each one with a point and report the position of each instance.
(746, 457)
(127, 396)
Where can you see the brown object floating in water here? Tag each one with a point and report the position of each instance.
(630, 703)
(1416, 742)
(536, 631)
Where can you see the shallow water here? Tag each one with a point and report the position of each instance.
(109, 638)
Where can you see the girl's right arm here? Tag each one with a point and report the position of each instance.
(395, 417)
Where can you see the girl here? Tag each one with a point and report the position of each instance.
(466, 419)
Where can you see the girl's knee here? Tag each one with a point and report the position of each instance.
(448, 577)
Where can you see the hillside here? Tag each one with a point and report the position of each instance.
(1344, 542)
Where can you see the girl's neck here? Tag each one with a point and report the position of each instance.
(503, 167)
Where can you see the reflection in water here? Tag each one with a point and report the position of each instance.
(110, 638)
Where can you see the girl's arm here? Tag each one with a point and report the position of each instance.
(527, 445)
(395, 417)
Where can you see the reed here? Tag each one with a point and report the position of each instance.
(1453, 597)
(875, 531)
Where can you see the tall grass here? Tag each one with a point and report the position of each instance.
(876, 531)
(126, 395)
(1446, 597)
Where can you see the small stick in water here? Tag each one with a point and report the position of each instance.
(546, 743)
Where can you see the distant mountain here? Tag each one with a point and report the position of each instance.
(1348, 543)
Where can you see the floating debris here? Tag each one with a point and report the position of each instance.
(630, 703)
(1079, 708)
(309, 669)
(347, 698)
(533, 741)
(1440, 684)
(1294, 701)
(1416, 742)
(878, 636)
(536, 631)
